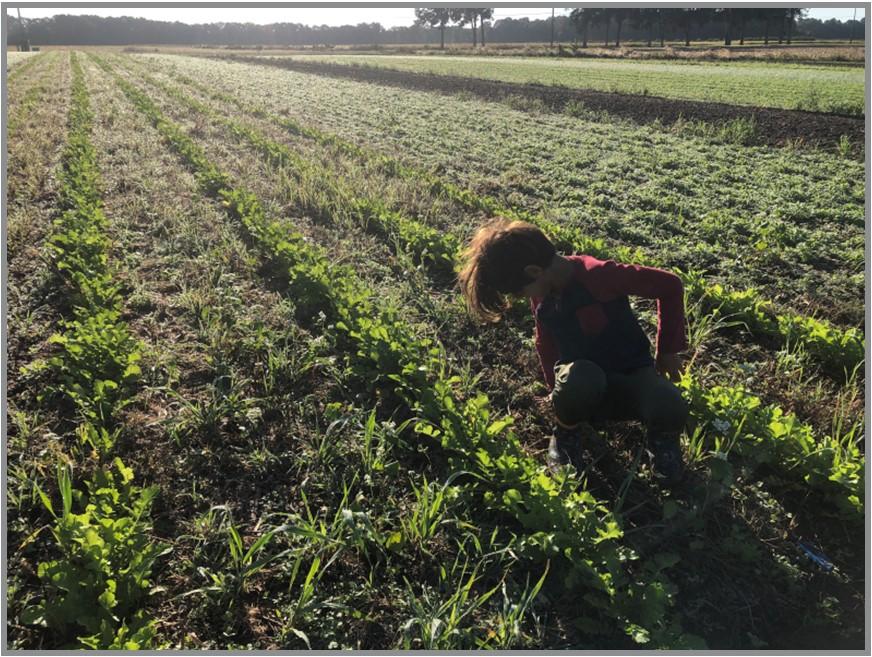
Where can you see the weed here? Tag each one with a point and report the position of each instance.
(512, 614)
(443, 622)
(296, 615)
(702, 323)
(576, 108)
(527, 104)
(428, 514)
(226, 403)
(741, 131)
(810, 101)
(844, 146)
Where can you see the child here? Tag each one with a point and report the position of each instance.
(594, 355)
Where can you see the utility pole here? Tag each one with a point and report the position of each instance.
(552, 26)
(853, 23)
(25, 45)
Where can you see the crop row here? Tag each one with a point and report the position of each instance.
(574, 530)
(833, 464)
(840, 351)
(247, 438)
(426, 244)
(34, 153)
(93, 592)
(22, 94)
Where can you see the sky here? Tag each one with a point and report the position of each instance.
(387, 16)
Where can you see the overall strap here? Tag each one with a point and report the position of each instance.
(559, 316)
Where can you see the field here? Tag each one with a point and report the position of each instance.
(808, 52)
(823, 88)
(248, 409)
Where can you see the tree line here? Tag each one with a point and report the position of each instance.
(651, 24)
(655, 23)
(450, 25)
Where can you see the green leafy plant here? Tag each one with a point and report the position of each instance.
(99, 358)
(765, 434)
(94, 589)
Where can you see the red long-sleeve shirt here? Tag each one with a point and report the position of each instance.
(607, 280)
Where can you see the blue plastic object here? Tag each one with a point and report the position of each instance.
(817, 557)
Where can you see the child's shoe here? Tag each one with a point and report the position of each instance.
(564, 448)
(668, 461)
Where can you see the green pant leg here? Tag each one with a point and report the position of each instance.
(646, 396)
(579, 389)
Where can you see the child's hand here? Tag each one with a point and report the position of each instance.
(670, 366)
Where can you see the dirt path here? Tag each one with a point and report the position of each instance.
(775, 127)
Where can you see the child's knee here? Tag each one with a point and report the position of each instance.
(579, 388)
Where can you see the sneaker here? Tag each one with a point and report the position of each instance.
(564, 448)
(668, 461)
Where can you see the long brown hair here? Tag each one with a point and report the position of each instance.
(494, 261)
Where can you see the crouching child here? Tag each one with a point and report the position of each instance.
(595, 357)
